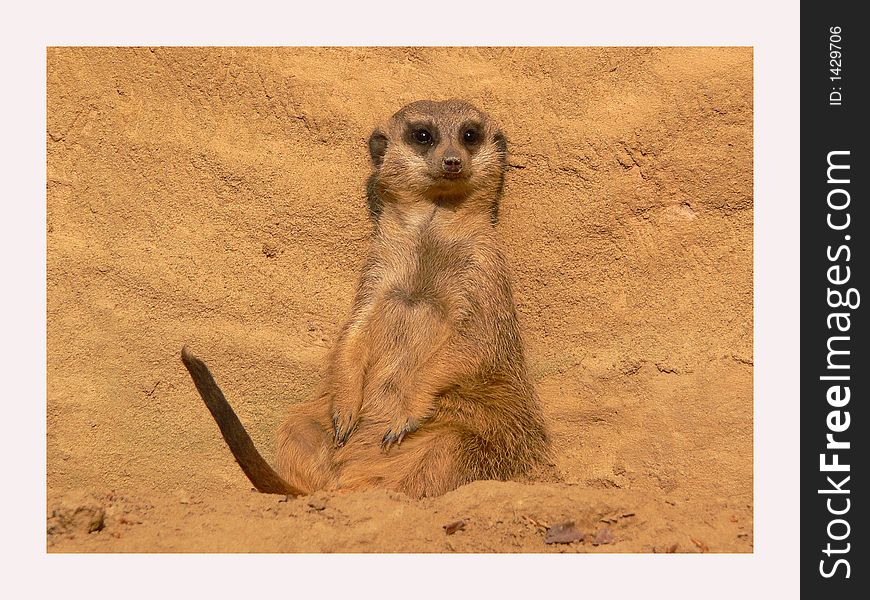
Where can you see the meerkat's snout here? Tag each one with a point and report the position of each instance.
(451, 164)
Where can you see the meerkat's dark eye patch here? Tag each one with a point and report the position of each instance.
(422, 136)
(470, 134)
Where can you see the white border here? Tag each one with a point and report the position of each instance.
(772, 28)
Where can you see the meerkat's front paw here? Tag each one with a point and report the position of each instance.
(400, 427)
(344, 420)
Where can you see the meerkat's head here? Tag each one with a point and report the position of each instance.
(444, 152)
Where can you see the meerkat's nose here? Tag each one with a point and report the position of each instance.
(451, 164)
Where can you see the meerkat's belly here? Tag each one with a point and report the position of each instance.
(417, 298)
(406, 327)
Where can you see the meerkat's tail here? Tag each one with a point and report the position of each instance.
(261, 474)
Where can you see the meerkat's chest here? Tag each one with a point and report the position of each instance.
(424, 269)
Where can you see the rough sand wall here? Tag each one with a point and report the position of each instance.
(215, 197)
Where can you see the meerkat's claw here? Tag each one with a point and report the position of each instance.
(335, 431)
(342, 428)
(398, 432)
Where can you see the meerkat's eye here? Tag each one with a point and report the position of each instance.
(422, 136)
(470, 136)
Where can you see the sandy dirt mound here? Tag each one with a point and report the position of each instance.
(215, 197)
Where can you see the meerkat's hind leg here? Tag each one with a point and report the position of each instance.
(263, 476)
(306, 453)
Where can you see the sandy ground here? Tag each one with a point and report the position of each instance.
(214, 197)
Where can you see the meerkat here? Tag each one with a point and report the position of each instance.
(427, 387)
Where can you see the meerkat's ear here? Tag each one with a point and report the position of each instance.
(377, 147)
(500, 142)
